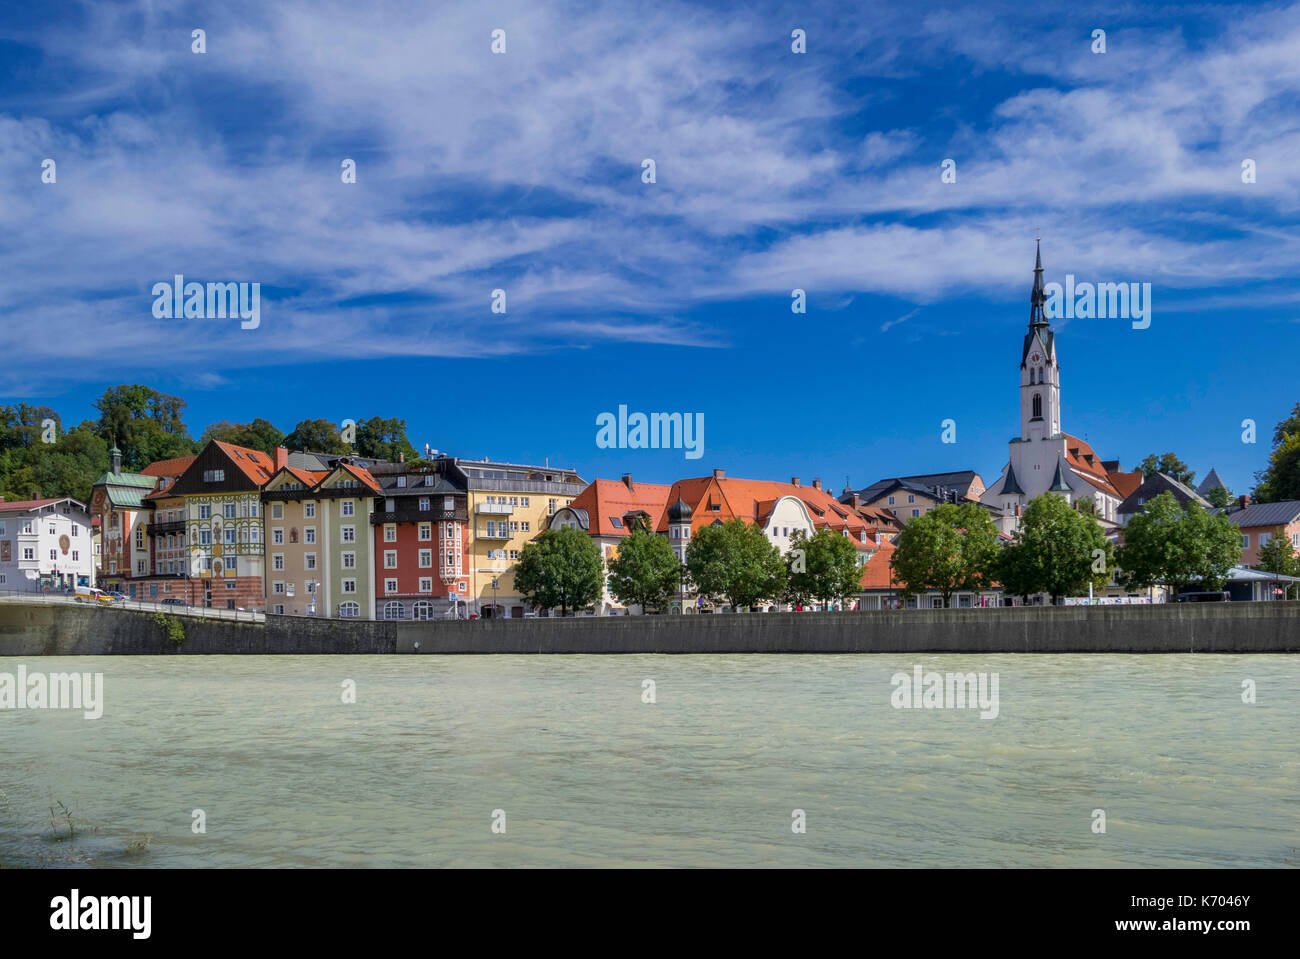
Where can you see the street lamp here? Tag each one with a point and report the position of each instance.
(496, 610)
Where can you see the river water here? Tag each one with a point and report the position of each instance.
(436, 749)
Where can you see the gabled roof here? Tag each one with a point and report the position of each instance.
(924, 483)
(28, 505)
(1152, 487)
(254, 464)
(361, 473)
(1266, 514)
(604, 501)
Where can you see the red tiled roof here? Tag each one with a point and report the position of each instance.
(22, 505)
(172, 467)
(608, 499)
(254, 464)
(363, 474)
(1087, 464)
(752, 501)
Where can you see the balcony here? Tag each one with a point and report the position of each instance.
(173, 526)
(494, 509)
(500, 534)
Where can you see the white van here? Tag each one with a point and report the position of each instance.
(92, 595)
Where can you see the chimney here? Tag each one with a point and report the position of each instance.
(401, 457)
(627, 481)
(794, 481)
(857, 501)
(281, 458)
(817, 483)
(1243, 501)
(719, 474)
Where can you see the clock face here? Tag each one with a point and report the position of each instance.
(1035, 357)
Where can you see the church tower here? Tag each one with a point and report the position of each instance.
(1040, 374)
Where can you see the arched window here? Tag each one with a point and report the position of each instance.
(1038, 406)
(394, 611)
(1040, 375)
(349, 610)
(422, 610)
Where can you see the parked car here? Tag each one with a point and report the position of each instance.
(1216, 597)
(89, 594)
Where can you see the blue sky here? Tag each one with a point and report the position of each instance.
(775, 171)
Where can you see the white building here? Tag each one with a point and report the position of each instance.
(45, 544)
(1042, 457)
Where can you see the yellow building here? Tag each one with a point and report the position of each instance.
(509, 504)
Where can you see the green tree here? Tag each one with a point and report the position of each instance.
(560, 569)
(1280, 557)
(70, 466)
(144, 423)
(258, 435)
(317, 436)
(1168, 546)
(1280, 480)
(823, 567)
(383, 439)
(645, 572)
(1170, 465)
(736, 562)
(951, 549)
(1220, 496)
(1058, 550)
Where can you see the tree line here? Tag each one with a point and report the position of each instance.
(731, 562)
(41, 458)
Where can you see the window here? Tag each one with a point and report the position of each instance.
(214, 476)
(1245, 541)
(426, 584)
(252, 510)
(390, 559)
(426, 558)
(349, 610)
(255, 535)
(1038, 406)
(1295, 540)
(76, 556)
(401, 482)
(205, 511)
(349, 507)
(389, 505)
(309, 510)
(277, 561)
(514, 554)
(422, 610)
(424, 504)
(349, 534)
(426, 532)
(277, 511)
(54, 555)
(205, 537)
(309, 561)
(550, 508)
(230, 535)
(231, 585)
(390, 586)
(309, 534)
(916, 513)
(349, 560)
(449, 503)
(911, 497)
(514, 526)
(394, 611)
(277, 588)
(277, 536)
(1263, 540)
(524, 525)
(349, 586)
(390, 533)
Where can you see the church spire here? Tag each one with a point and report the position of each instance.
(1037, 298)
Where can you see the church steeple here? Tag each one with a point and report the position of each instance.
(1037, 298)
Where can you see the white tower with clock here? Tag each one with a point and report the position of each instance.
(1040, 374)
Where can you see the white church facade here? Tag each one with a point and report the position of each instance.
(1043, 458)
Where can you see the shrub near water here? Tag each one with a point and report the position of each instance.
(171, 627)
